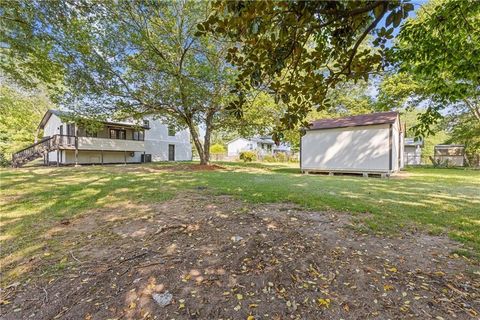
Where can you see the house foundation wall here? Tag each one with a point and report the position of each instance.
(95, 157)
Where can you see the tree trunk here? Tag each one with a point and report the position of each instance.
(196, 141)
(473, 108)
(208, 134)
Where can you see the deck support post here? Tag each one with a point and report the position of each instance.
(330, 173)
(102, 156)
(144, 159)
(365, 175)
(58, 157)
(76, 151)
(125, 156)
(48, 159)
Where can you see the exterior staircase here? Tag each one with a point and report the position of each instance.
(42, 148)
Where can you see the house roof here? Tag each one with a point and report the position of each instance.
(413, 142)
(61, 113)
(266, 140)
(355, 121)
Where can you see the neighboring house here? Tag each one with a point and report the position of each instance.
(452, 154)
(413, 151)
(261, 145)
(116, 142)
(370, 143)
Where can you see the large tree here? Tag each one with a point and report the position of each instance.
(20, 113)
(298, 50)
(437, 67)
(130, 59)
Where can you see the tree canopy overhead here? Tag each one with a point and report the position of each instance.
(437, 66)
(297, 50)
(130, 59)
(24, 50)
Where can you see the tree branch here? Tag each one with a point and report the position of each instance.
(372, 26)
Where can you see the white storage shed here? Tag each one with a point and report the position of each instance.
(369, 143)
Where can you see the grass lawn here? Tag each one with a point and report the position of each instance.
(439, 201)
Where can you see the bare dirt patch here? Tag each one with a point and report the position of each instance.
(214, 257)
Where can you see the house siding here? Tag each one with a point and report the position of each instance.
(413, 155)
(51, 128)
(157, 141)
(238, 145)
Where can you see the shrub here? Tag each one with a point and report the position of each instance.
(4, 162)
(217, 150)
(269, 158)
(248, 156)
(281, 157)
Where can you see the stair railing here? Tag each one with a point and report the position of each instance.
(45, 145)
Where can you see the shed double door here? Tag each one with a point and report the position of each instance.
(171, 152)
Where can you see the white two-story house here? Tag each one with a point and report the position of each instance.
(66, 143)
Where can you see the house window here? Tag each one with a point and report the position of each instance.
(139, 135)
(171, 130)
(70, 129)
(146, 123)
(118, 134)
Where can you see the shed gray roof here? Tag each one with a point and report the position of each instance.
(355, 121)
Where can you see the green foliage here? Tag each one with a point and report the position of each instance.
(248, 156)
(465, 129)
(217, 149)
(438, 57)
(25, 53)
(441, 44)
(299, 50)
(20, 114)
(438, 134)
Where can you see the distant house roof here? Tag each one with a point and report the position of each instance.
(355, 121)
(61, 113)
(266, 140)
(412, 142)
